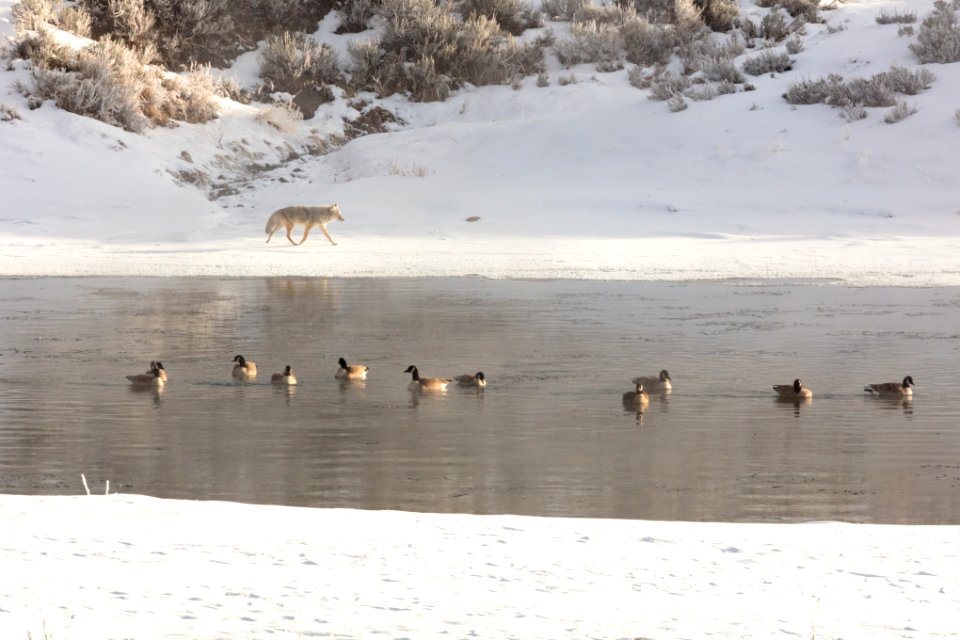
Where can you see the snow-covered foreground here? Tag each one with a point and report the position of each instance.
(123, 566)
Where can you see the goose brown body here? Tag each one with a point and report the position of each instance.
(150, 380)
(244, 369)
(657, 383)
(287, 377)
(351, 371)
(637, 398)
(892, 389)
(475, 380)
(425, 384)
(158, 365)
(795, 391)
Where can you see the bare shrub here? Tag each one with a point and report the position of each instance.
(133, 24)
(687, 20)
(899, 112)
(721, 70)
(853, 112)
(719, 14)
(794, 44)
(903, 80)
(807, 91)
(513, 16)
(285, 118)
(896, 17)
(107, 81)
(428, 52)
(32, 15)
(590, 42)
(355, 15)
(905, 30)
(668, 85)
(767, 62)
(8, 113)
(956, 116)
(938, 39)
(43, 50)
(701, 93)
(258, 18)
(76, 21)
(562, 9)
(877, 91)
(774, 26)
(605, 14)
(676, 103)
(193, 98)
(646, 43)
(291, 61)
(805, 9)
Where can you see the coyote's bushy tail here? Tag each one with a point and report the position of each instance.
(274, 222)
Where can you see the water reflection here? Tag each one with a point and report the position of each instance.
(546, 436)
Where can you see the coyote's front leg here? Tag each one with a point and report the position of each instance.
(289, 237)
(323, 228)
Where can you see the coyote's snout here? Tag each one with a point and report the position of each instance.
(308, 216)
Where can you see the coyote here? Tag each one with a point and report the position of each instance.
(308, 216)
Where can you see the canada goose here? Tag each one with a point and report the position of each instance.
(286, 377)
(351, 371)
(467, 380)
(244, 369)
(655, 384)
(425, 384)
(892, 389)
(795, 391)
(158, 365)
(636, 399)
(150, 380)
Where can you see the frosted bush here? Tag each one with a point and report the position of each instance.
(562, 9)
(676, 103)
(722, 70)
(767, 62)
(896, 17)
(719, 15)
(899, 112)
(32, 15)
(645, 43)
(355, 15)
(513, 16)
(590, 42)
(805, 9)
(668, 86)
(76, 21)
(291, 61)
(938, 38)
(853, 112)
(903, 80)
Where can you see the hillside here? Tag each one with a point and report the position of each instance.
(585, 177)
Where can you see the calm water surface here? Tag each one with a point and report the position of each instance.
(548, 436)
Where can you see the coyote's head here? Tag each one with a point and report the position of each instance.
(335, 210)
